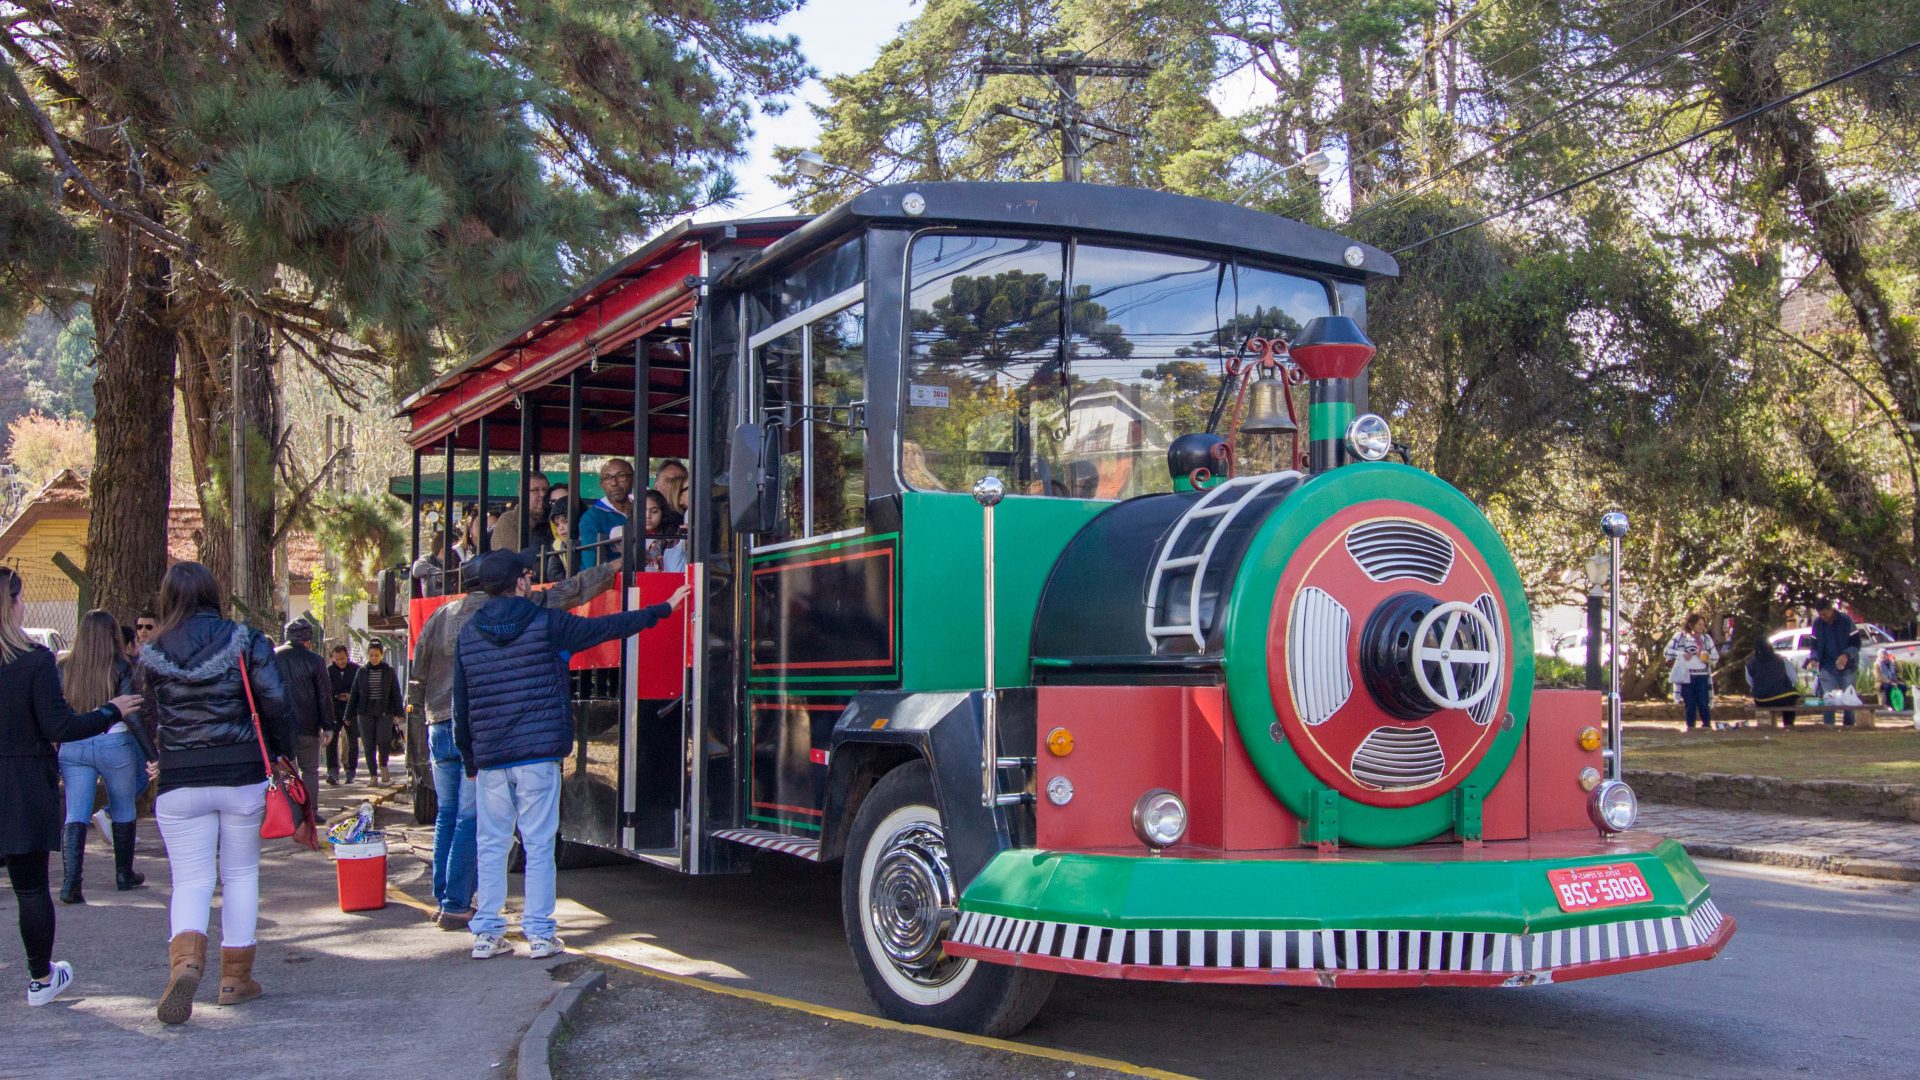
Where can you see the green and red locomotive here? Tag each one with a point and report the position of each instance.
(986, 615)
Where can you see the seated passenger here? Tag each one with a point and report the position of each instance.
(608, 514)
(1771, 680)
(662, 553)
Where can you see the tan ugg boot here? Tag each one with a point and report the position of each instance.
(236, 976)
(186, 963)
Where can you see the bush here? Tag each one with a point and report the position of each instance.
(1552, 673)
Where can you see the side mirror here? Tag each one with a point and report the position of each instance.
(753, 478)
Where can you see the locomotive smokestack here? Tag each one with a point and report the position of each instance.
(1333, 351)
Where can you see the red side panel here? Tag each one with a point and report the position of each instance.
(1554, 758)
(663, 649)
(1128, 740)
(1503, 811)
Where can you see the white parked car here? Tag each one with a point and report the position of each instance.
(1795, 643)
(54, 640)
(1572, 647)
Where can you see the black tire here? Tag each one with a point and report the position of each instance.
(901, 817)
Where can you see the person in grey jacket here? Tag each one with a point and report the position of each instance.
(430, 691)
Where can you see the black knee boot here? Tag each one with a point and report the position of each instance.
(73, 852)
(124, 877)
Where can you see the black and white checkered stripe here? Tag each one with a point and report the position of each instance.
(1342, 950)
(802, 846)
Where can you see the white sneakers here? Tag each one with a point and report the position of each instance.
(39, 993)
(488, 946)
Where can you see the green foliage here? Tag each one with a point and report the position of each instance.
(1552, 673)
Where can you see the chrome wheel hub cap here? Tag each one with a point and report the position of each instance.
(911, 903)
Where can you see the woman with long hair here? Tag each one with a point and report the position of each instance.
(1694, 653)
(94, 671)
(663, 553)
(212, 782)
(33, 717)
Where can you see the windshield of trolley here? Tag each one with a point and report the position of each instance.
(1064, 366)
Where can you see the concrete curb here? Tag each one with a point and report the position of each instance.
(536, 1046)
(1851, 865)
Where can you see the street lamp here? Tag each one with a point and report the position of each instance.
(1317, 164)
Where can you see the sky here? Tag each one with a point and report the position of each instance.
(838, 37)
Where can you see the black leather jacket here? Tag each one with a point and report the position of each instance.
(308, 690)
(195, 702)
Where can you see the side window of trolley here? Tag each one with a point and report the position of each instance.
(809, 367)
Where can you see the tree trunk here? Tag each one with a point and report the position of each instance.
(132, 424)
(260, 418)
(203, 347)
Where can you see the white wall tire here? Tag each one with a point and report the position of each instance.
(897, 898)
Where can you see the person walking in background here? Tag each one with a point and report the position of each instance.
(513, 724)
(34, 715)
(309, 694)
(144, 624)
(373, 705)
(205, 680)
(1833, 653)
(430, 691)
(340, 676)
(93, 673)
(1693, 655)
(1771, 680)
(607, 517)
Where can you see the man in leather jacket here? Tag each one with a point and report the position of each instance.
(309, 694)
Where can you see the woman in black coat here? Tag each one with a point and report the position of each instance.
(1770, 680)
(33, 717)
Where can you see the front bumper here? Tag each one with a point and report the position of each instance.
(1351, 920)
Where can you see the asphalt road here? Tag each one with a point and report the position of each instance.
(1820, 980)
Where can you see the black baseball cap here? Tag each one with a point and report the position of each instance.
(497, 570)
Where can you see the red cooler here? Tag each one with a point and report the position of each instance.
(362, 869)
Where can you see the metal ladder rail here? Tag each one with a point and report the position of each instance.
(1222, 514)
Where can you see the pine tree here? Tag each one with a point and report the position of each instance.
(367, 188)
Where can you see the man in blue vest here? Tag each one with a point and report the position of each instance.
(513, 723)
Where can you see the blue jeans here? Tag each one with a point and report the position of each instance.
(114, 758)
(453, 825)
(1697, 694)
(529, 796)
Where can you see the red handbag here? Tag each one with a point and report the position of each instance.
(289, 809)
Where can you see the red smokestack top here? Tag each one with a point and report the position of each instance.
(1332, 347)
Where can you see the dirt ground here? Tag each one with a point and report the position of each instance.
(641, 1026)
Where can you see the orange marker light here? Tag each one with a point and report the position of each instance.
(1060, 742)
(1589, 738)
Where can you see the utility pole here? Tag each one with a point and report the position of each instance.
(1063, 114)
(242, 331)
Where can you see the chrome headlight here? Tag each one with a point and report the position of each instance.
(1160, 818)
(1613, 807)
(1369, 437)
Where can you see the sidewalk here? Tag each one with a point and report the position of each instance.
(1876, 849)
(369, 995)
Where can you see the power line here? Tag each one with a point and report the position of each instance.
(1758, 110)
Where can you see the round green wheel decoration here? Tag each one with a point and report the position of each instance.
(1378, 645)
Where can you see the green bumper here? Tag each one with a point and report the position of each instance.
(1486, 894)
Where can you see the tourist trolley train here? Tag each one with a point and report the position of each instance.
(984, 614)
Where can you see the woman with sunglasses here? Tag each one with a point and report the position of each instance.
(34, 715)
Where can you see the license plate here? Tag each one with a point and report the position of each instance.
(1583, 888)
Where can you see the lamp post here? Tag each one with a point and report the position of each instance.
(813, 167)
(1598, 569)
(1316, 164)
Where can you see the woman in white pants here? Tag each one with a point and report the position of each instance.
(212, 782)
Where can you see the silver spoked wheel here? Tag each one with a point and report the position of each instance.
(911, 906)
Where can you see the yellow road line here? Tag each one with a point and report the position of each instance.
(828, 1012)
